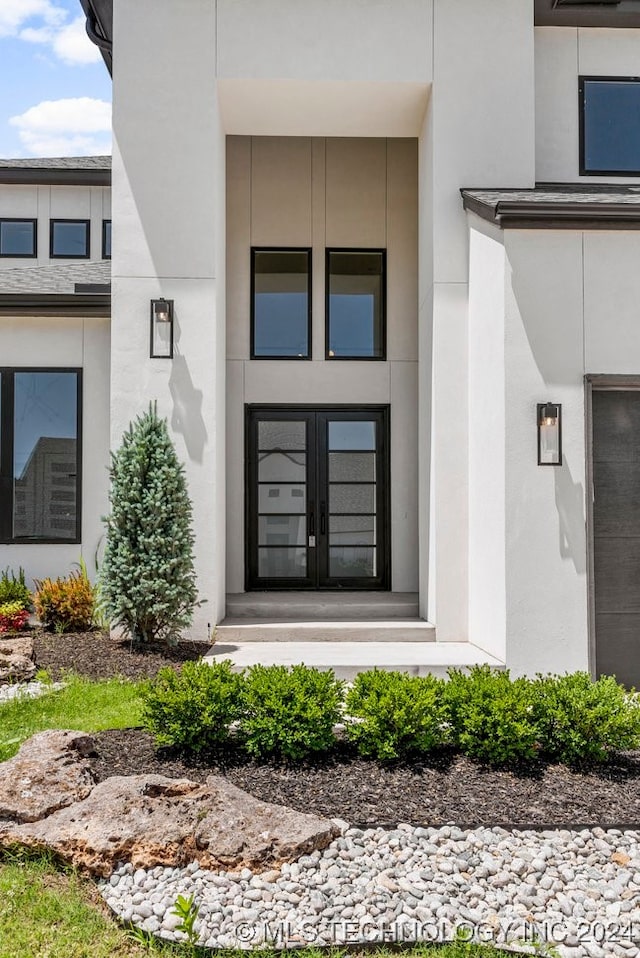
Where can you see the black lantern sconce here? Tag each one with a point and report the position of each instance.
(549, 434)
(161, 329)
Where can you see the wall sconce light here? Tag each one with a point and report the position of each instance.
(161, 329)
(549, 434)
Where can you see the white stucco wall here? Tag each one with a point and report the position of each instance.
(562, 54)
(563, 305)
(480, 129)
(84, 343)
(55, 202)
(169, 212)
(326, 193)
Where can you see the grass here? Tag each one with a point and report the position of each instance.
(50, 913)
(83, 705)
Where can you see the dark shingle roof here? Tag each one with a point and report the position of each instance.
(56, 279)
(58, 163)
(558, 206)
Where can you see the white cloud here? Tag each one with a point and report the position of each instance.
(76, 126)
(70, 42)
(13, 13)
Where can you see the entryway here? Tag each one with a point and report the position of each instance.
(317, 497)
(616, 531)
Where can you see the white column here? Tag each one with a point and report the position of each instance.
(168, 240)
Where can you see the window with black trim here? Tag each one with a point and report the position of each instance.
(18, 238)
(355, 310)
(609, 126)
(40, 455)
(280, 303)
(106, 239)
(69, 239)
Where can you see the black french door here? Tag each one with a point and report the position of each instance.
(317, 497)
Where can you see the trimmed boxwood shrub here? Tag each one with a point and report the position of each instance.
(289, 712)
(396, 714)
(492, 715)
(582, 720)
(194, 708)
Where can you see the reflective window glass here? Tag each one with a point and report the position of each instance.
(17, 238)
(355, 304)
(70, 239)
(610, 125)
(281, 304)
(45, 455)
(106, 239)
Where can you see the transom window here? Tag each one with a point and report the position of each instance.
(18, 238)
(281, 304)
(609, 126)
(40, 456)
(69, 239)
(355, 310)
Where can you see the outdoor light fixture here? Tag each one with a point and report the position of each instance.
(549, 434)
(161, 329)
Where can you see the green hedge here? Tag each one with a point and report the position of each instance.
(291, 713)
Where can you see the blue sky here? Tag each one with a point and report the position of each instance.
(55, 91)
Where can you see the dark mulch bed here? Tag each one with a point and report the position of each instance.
(97, 656)
(445, 789)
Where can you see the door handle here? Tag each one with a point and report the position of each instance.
(322, 523)
(311, 540)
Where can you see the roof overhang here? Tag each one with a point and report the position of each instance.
(587, 13)
(25, 175)
(566, 206)
(99, 14)
(55, 304)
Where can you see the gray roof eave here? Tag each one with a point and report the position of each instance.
(573, 211)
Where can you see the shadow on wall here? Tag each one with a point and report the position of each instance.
(186, 418)
(570, 506)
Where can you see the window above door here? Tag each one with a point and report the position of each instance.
(355, 304)
(280, 303)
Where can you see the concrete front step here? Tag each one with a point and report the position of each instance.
(243, 629)
(308, 606)
(348, 658)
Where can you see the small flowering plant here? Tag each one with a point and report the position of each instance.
(13, 616)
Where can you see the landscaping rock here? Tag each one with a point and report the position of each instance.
(51, 771)
(16, 659)
(151, 820)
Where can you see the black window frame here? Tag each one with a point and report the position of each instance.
(582, 80)
(21, 219)
(7, 410)
(73, 219)
(383, 311)
(105, 224)
(282, 249)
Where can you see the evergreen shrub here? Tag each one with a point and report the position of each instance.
(396, 714)
(289, 712)
(194, 708)
(147, 577)
(492, 716)
(582, 720)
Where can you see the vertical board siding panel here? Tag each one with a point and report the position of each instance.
(356, 192)
(280, 191)
(402, 249)
(238, 243)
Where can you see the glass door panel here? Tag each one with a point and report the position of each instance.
(317, 498)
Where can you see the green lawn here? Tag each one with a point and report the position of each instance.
(81, 704)
(48, 913)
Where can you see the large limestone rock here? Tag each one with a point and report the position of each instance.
(16, 659)
(152, 820)
(50, 771)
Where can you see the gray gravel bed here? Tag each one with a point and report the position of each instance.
(578, 891)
